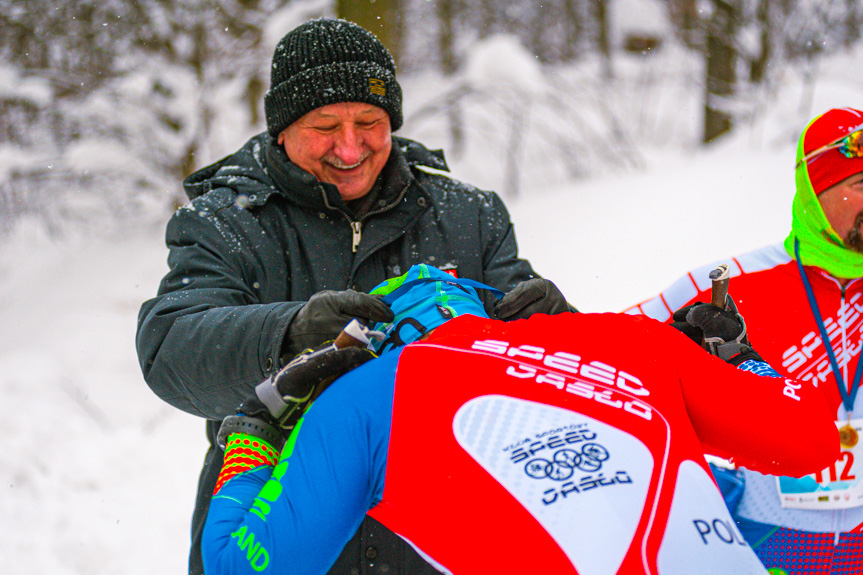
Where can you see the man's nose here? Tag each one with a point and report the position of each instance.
(349, 144)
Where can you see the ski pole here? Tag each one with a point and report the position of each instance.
(719, 290)
(719, 277)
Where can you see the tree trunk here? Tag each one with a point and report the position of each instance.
(539, 42)
(517, 130)
(758, 67)
(684, 14)
(446, 10)
(721, 77)
(397, 33)
(377, 16)
(852, 22)
(488, 14)
(603, 40)
(574, 30)
(254, 95)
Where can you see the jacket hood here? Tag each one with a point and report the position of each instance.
(820, 245)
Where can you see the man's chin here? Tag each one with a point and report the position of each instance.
(351, 187)
(351, 191)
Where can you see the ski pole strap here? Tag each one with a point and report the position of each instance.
(848, 396)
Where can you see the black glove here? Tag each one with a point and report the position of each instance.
(280, 401)
(531, 296)
(723, 332)
(295, 386)
(326, 313)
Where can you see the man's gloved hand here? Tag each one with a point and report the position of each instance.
(531, 296)
(722, 331)
(326, 313)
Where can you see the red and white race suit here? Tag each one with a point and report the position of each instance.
(769, 292)
(575, 444)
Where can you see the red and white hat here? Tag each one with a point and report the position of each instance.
(831, 167)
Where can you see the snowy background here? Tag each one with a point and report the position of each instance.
(99, 476)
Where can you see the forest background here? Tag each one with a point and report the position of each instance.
(107, 105)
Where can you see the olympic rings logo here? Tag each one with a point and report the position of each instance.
(566, 461)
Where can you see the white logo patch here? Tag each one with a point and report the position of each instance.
(566, 469)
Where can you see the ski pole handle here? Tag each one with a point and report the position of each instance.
(355, 334)
(345, 339)
(719, 291)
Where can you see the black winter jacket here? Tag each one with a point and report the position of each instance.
(258, 238)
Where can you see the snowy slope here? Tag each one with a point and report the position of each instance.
(98, 474)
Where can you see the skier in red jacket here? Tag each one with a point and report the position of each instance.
(796, 296)
(558, 444)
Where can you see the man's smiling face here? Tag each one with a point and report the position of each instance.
(344, 144)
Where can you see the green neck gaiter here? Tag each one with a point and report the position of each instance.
(820, 245)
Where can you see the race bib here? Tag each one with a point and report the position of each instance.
(837, 487)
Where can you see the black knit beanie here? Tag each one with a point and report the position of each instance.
(328, 61)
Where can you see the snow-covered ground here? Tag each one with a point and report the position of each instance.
(99, 475)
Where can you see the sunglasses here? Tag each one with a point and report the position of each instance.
(850, 146)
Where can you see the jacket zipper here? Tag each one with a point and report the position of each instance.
(357, 234)
(357, 225)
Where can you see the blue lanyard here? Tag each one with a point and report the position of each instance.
(847, 398)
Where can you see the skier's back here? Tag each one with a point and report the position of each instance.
(558, 444)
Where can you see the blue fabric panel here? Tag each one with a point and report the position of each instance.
(339, 458)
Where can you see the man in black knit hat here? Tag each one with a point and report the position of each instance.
(281, 241)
